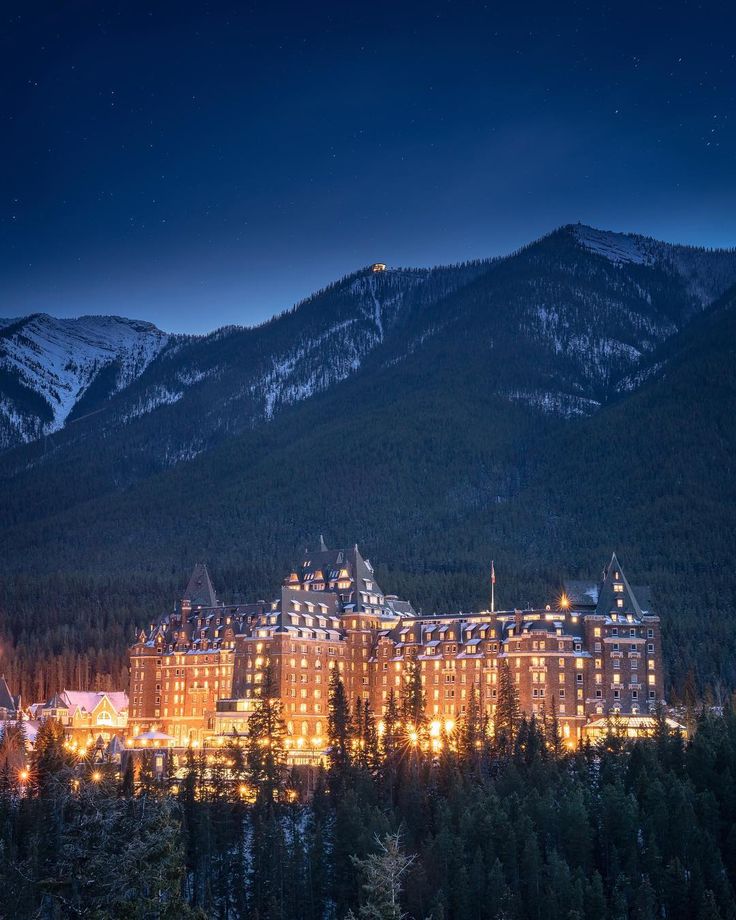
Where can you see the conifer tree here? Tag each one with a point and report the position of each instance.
(383, 874)
(471, 731)
(414, 720)
(371, 758)
(265, 754)
(339, 727)
(508, 711)
(51, 762)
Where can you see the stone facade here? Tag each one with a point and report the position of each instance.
(195, 674)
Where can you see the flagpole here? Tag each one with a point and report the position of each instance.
(493, 588)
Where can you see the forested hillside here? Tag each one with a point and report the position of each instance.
(541, 410)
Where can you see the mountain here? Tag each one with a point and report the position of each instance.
(48, 365)
(542, 409)
(578, 310)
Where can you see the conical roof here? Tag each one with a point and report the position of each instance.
(200, 591)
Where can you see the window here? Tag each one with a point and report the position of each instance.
(650, 634)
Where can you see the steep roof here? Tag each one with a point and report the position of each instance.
(7, 700)
(581, 593)
(200, 592)
(88, 700)
(609, 597)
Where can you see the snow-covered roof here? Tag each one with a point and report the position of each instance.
(89, 700)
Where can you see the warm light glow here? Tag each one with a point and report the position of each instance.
(243, 789)
(434, 729)
(129, 742)
(413, 737)
(449, 726)
(381, 727)
(564, 602)
(96, 776)
(23, 775)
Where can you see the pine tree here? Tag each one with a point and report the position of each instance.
(339, 728)
(51, 763)
(412, 705)
(508, 711)
(382, 875)
(471, 731)
(265, 754)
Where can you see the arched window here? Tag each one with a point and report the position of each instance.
(104, 718)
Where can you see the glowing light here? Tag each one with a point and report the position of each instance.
(96, 776)
(129, 743)
(24, 775)
(243, 789)
(564, 602)
(381, 727)
(434, 729)
(449, 726)
(413, 737)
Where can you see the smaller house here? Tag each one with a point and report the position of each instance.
(88, 716)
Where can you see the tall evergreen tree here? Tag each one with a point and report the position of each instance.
(508, 712)
(339, 728)
(265, 753)
(383, 875)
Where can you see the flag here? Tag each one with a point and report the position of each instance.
(493, 574)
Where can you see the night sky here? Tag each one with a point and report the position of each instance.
(211, 163)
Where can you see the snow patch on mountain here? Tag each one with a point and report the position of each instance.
(59, 358)
(551, 403)
(616, 247)
(155, 396)
(634, 381)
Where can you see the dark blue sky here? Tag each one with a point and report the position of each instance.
(211, 163)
